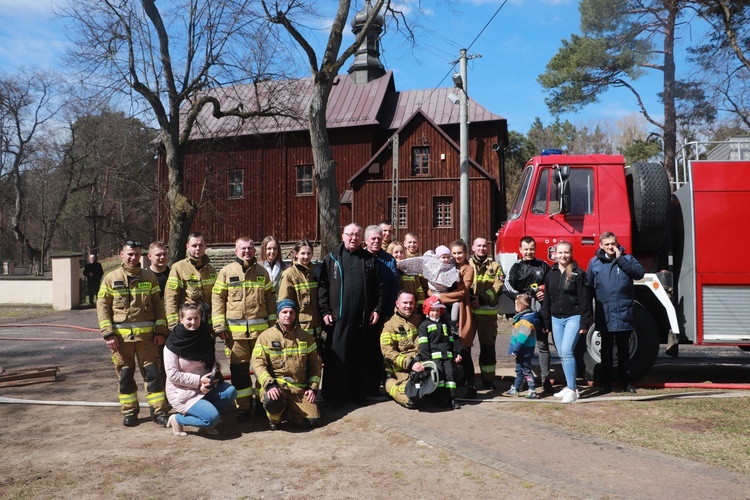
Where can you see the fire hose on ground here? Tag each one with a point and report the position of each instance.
(717, 390)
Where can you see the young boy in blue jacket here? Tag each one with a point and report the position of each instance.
(522, 343)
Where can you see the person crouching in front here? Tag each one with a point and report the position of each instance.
(286, 362)
(195, 387)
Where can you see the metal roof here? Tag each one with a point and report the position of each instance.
(349, 104)
(435, 104)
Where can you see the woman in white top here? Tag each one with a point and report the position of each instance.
(270, 256)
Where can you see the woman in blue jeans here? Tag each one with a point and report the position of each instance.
(566, 311)
(195, 389)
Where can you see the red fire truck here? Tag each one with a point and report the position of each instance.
(690, 241)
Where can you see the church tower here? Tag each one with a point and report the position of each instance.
(366, 66)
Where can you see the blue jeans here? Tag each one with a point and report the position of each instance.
(207, 412)
(565, 333)
(523, 371)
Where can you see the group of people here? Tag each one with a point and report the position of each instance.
(558, 299)
(165, 321)
(359, 312)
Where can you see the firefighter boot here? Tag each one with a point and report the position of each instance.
(130, 419)
(158, 418)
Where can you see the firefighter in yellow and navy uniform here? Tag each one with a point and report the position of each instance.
(191, 281)
(488, 284)
(398, 343)
(133, 323)
(288, 367)
(243, 306)
(300, 284)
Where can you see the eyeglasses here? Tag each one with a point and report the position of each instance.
(133, 243)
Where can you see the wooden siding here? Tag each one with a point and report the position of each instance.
(270, 204)
(372, 191)
(371, 206)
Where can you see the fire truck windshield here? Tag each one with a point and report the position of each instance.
(523, 190)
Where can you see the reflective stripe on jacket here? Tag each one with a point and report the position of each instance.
(243, 301)
(288, 359)
(129, 305)
(188, 284)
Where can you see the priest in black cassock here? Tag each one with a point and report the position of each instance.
(350, 295)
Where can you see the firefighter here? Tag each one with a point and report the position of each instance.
(244, 302)
(288, 367)
(191, 281)
(133, 323)
(486, 289)
(299, 282)
(398, 343)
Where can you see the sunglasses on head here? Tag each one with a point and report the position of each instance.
(133, 243)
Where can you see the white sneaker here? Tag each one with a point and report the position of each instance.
(563, 392)
(570, 397)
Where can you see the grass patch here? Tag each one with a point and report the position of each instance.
(24, 311)
(714, 431)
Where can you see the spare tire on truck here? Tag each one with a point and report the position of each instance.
(650, 198)
(644, 347)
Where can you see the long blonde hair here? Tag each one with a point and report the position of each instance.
(569, 267)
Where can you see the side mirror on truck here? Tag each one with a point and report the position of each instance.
(561, 176)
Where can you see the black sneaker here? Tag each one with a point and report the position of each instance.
(488, 385)
(130, 420)
(273, 426)
(161, 419)
(547, 386)
(630, 389)
(455, 405)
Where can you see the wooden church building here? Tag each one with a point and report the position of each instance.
(255, 177)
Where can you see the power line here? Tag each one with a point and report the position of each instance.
(453, 64)
(487, 25)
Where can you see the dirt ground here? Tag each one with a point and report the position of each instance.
(85, 452)
(483, 450)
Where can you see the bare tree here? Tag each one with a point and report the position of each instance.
(27, 104)
(291, 14)
(170, 57)
(723, 60)
(116, 159)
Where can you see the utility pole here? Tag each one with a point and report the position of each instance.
(461, 82)
(394, 188)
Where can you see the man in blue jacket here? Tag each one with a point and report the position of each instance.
(610, 275)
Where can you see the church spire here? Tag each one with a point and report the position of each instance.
(366, 66)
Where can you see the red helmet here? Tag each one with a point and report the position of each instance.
(432, 303)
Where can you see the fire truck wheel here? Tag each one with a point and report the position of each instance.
(644, 347)
(650, 196)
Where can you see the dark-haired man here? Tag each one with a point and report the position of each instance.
(527, 276)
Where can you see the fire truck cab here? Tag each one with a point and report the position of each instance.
(694, 291)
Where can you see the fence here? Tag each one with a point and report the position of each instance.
(62, 290)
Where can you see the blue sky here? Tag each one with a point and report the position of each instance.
(515, 49)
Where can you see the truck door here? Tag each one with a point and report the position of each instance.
(579, 226)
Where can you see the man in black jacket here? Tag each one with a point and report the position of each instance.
(350, 296)
(526, 276)
(93, 272)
